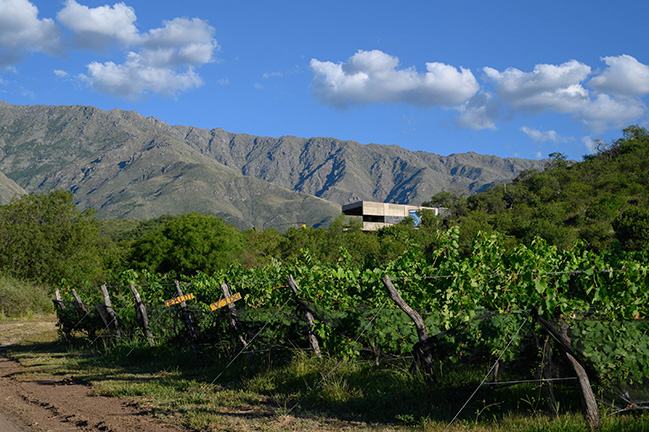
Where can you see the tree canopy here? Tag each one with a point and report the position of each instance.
(187, 244)
(599, 200)
(45, 238)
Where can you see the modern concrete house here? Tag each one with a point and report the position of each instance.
(376, 215)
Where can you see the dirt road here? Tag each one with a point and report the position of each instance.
(47, 404)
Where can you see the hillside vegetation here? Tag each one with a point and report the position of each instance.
(602, 200)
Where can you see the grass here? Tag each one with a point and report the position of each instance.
(23, 299)
(259, 393)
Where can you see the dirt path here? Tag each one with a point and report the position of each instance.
(61, 403)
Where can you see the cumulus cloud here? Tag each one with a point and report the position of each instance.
(180, 41)
(480, 112)
(373, 77)
(606, 112)
(607, 100)
(100, 27)
(599, 100)
(541, 137)
(60, 73)
(163, 61)
(624, 76)
(22, 31)
(547, 87)
(136, 78)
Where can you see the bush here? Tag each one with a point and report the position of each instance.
(19, 298)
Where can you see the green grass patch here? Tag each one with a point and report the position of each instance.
(259, 392)
(23, 299)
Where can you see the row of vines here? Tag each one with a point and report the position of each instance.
(474, 302)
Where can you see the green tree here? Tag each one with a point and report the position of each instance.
(188, 244)
(632, 229)
(261, 247)
(45, 238)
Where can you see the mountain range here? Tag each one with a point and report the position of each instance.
(126, 165)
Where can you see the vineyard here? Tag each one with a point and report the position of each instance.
(535, 314)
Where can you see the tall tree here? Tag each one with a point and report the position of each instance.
(187, 244)
(44, 237)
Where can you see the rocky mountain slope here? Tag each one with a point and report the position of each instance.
(127, 166)
(8, 189)
(346, 171)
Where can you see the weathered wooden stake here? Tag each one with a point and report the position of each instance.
(313, 341)
(546, 373)
(141, 316)
(112, 316)
(422, 351)
(187, 317)
(83, 310)
(232, 313)
(57, 299)
(588, 403)
(58, 302)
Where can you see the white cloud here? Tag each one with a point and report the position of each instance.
(267, 75)
(606, 112)
(163, 59)
(135, 79)
(60, 73)
(181, 41)
(100, 27)
(624, 76)
(480, 112)
(541, 137)
(372, 77)
(21, 31)
(589, 143)
(561, 88)
(547, 87)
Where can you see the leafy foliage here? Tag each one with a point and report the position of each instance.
(187, 244)
(45, 238)
(597, 200)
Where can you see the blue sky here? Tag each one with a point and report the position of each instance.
(509, 78)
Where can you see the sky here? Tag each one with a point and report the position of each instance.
(506, 78)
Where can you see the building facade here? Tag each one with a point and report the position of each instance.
(376, 215)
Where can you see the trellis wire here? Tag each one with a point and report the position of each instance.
(487, 375)
(340, 362)
(244, 348)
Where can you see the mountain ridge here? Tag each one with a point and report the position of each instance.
(126, 165)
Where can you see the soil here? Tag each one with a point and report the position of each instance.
(45, 404)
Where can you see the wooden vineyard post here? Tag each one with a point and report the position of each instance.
(187, 317)
(422, 350)
(107, 313)
(313, 341)
(60, 305)
(141, 316)
(83, 311)
(78, 304)
(232, 313)
(57, 300)
(546, 373)
(588, 403)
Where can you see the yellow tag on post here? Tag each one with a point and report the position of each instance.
(227, 300)
(180, 299)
